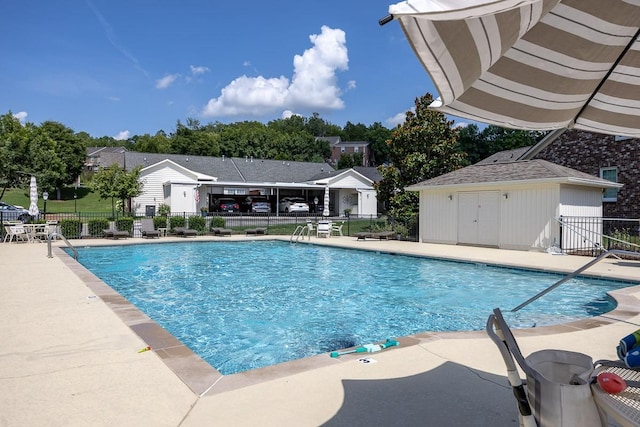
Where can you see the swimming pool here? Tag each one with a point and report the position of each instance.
(244, 305)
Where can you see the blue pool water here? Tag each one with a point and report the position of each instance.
(244, 305)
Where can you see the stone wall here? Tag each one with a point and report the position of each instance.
(588, 152)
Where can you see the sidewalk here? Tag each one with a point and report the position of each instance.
(70, 356)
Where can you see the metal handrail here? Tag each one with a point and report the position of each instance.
(56, 234)
(570, 276)
(300, 231)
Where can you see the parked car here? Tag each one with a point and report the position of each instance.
(257, 204)
(293, 204)
(14, 213)
(226, 204)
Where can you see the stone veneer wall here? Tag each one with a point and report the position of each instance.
(588, 152)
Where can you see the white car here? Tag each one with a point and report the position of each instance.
(293, 205)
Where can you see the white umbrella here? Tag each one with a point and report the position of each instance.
(325, 211)
(33, 197)
(531, 64)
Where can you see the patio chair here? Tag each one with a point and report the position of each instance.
(113, 233)
(337, 228)
(16, 231)
(256, 231)
(362, 235)
(185, 232)
(557, 391)
(147, 228)
(323, 229)
(219, 231)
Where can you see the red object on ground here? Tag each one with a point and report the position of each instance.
(611, 383)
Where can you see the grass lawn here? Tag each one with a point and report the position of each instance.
(87, 200)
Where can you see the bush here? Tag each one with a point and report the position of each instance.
(197, 223)
(96, 226)
(71, 228)
(159, 222)
(218, 222)
(164, 210)
(125, 224)
(176, 221)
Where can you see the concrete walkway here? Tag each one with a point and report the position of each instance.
(70, 356)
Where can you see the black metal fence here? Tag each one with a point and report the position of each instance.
(92, 224)
(592, 235)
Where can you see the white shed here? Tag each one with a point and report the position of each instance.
(351, 190)
(166, 182)
(512, 205)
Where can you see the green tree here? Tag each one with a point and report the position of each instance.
(117, 184)
(481, 144)
(14, 151)
(70, 149)
(378, 135)
(423, 147)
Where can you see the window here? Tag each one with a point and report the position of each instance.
(342, 149)
(610, 174)
(356, 149)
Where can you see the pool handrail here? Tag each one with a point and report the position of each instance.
(56, 234)
(614, 252)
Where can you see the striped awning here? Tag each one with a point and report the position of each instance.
(531, 64)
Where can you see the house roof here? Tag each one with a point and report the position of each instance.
(226, 169)
(515, 172)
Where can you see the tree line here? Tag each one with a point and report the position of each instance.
(424, 146)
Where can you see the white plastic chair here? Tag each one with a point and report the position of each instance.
(337, 228)
(324, 229)
(18, 232)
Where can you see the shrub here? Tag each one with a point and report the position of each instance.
(176, 221)
(96, 226)
(164, 210)
(197, 223)
(71, 228)
(159, 222)
(125, 224)
(218, 222)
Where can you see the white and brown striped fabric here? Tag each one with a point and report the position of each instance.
(531, 64)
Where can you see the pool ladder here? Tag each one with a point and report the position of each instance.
(301, 230)
(56, 234)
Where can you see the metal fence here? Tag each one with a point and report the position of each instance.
(91, 224)
(593, 235)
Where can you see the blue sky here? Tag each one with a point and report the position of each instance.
(122, 68)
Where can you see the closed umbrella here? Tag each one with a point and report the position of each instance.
(33, 198)
(325, 211)
(531, 64)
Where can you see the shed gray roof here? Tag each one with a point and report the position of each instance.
(506, 156)
(226, 169)
(529, 170)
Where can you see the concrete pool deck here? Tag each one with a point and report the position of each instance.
(70, 355)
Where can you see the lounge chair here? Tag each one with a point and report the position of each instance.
(147, 228)
(112, 233)
(384, 235)
(362, 235)
(256, 231)
(185, 232)
(218, 231)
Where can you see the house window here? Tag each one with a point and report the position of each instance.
(342, 149)
(610, 174)
(356, 149)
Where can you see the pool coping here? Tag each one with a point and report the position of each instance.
(204, 380)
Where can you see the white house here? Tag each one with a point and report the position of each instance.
(508, 204)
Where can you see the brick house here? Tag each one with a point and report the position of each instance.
(610, 157)
(339, 147)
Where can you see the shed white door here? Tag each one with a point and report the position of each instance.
(478, 218)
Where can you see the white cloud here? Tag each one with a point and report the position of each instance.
(351, 84)
(196, 71)
(460, 125)
(286, 114)
(166, 81)
(21, 116)
(396, 120)
(122, 135)
(313, 87)
(113, 98)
